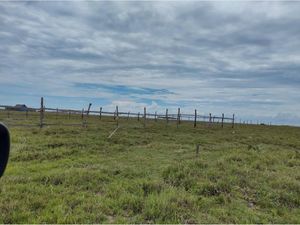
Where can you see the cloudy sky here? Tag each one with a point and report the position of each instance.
(230, 57)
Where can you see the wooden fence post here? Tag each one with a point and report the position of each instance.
(139, 116)
(222, 120)
(197, 149)
(69, 114)
(100, 113)
(87, 114)
(167, 117)
(145, 116)
(82, 114)
(128, 116)
(117, 113)
(178, 117)
(42, 112)
(209, 119)
(155, 116)
(233, 121)
(195, 120)
(88, 111)
(56, 113)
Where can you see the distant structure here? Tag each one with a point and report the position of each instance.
(18, 107)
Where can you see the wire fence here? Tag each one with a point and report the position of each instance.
(20, 115)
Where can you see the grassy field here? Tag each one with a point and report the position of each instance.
(59, 174)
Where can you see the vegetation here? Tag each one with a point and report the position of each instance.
(68, 174)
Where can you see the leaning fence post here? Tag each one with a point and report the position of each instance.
(41, 112)
(167, 118)
(233, 121)
(88, 112)
(222, 120)
(144, 116)
(195, 120)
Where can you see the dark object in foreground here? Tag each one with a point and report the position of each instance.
(4, 148)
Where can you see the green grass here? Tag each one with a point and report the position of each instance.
(58, 174)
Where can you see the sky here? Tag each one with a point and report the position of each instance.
(216, 57)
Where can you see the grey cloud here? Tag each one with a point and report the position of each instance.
(194, 49)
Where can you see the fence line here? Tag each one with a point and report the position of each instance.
(178, 118)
